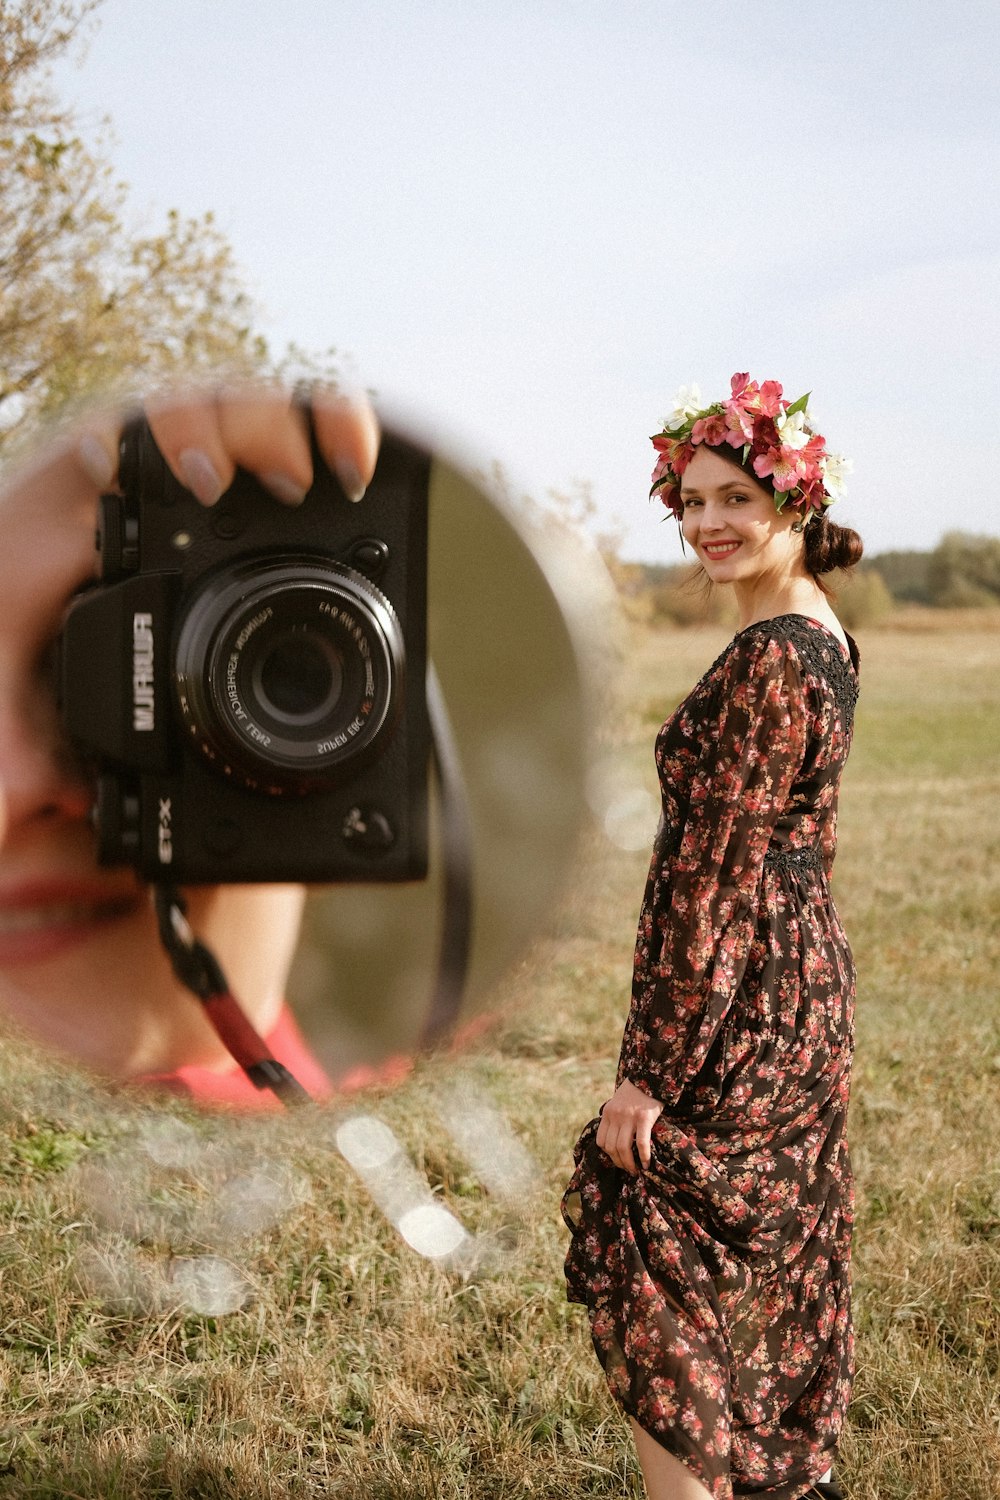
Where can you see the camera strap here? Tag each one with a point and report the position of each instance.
(198, 969)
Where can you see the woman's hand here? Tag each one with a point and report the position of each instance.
(627, 1119)
(204, 436)
(48, 505)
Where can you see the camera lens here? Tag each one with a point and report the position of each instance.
(299, 679)
(289, 671)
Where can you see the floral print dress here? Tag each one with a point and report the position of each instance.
(717, 1279)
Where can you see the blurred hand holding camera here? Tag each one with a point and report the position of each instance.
(80, 962)
(204, 438)
(81, 966)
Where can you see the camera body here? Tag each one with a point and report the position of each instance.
(249, 679)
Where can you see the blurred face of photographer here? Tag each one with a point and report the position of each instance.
(81, 967)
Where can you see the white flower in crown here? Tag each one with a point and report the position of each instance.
(688, 404)
(792, 429)
(835, 470)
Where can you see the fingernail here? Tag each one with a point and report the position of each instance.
(351, 482)
(200, 475)
(95, 462)
(284, 488)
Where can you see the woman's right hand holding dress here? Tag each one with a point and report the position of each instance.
(627, 1120)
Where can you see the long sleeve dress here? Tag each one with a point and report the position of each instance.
(717, 1279)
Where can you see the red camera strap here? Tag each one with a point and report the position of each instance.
(199, 970)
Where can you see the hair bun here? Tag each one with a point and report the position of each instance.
(830, 547)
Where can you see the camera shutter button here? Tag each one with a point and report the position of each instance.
(367, 830)
(369, 556)
(226, 524)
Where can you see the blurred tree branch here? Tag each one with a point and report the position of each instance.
(87, 308)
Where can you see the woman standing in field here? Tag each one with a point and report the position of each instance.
(715, 1266)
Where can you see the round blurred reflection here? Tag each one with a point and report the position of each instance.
(510, 614)
(147, 667)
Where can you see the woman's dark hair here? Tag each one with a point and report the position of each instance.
(829, 547)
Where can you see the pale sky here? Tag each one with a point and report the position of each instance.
(528, 223)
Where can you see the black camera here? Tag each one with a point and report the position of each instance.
(249, 680)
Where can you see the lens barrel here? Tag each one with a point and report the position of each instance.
(288, 672)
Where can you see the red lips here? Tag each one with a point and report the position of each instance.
(40, 918)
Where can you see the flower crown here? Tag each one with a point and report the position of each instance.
(776, 434)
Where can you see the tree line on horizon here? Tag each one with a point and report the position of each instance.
(961, 572)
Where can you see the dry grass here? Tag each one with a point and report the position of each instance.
(918, 617)
(357, 1369)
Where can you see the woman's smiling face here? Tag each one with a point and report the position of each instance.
(732, 523)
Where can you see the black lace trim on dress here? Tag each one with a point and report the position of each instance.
(821, 653)
(819, 650)
(808, 858)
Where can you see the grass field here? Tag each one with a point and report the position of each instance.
(351, 1366)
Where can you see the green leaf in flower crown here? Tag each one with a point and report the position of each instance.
(746, 453)
(799, 405)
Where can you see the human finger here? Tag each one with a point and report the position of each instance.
(204, 440)
(189, 435)
(266, 433)
(619, 1147)
(348, 434)
(96, 449)
(609, 1131)
(644, 1139)
(626, 1159)
(606, 1136)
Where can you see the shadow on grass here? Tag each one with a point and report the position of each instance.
(93, 1472)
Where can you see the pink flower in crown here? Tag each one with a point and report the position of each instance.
(812, 487)
(663, 464)
(814, 496)
(711, 430)
(783, 466)
(673, 460)
(739, 425)
(769, 402)
(749, 406)
(682, 456)
(814, 451)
